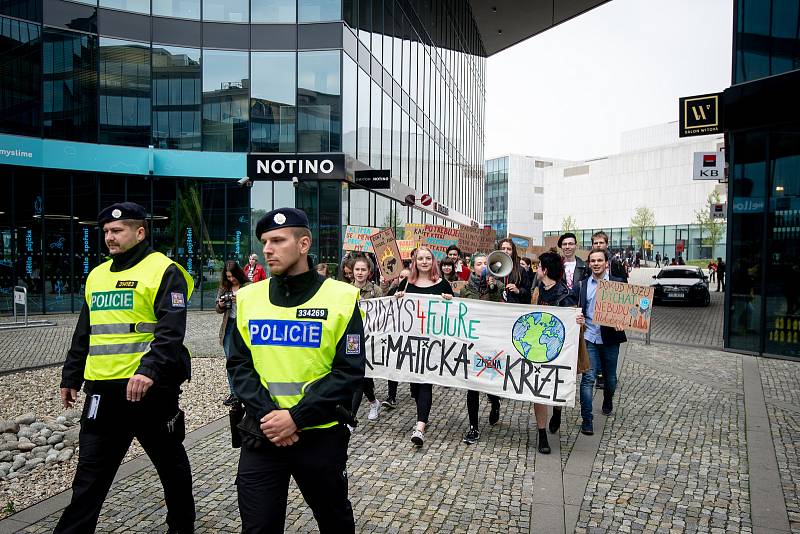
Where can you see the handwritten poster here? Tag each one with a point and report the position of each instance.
(472, 239)
(387, 253)
(356, 238)
(625, 305)
(516, 351)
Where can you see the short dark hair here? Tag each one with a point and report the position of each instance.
(552, 263)
(601, 234)
(454, 247)
(598, 251)
(567, 236)
(300, 231)
(135, 224)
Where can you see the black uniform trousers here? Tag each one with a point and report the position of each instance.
(105, 439)
(318, 463)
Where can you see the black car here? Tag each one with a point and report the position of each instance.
(681, 283)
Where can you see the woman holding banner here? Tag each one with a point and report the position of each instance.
(425, 278)
(480, 286)
(362, 274)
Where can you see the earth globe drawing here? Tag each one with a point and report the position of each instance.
(538, 336)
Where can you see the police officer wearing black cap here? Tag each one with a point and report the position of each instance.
(296, 357)
(128, 355)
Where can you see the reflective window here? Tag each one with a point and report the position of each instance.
(226, 10)
(272, 104)
(767, 38)
(124, 92)
(20, 76)
(319, 103)
(363, 116)
(349, 99)
(273, 11)
(69, 87)
(225, 100)
(176, 97)
(319, 10)
(22, 9)
(138, 6)
(185, 9)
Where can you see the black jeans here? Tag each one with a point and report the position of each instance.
(474, 404)
(103, 444)
(367, 388)
(392, 390)
(318, 463)
(423, 394)
(720, 281)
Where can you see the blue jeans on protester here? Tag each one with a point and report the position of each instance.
(602, 358)
(226, 341)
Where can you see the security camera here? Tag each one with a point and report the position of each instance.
(295, 181)
(245, 182)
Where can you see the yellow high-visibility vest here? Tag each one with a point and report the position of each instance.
(122, 316)
(294, 347)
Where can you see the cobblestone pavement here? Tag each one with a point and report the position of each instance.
(690, 325)
(35, 347)
(672, 458)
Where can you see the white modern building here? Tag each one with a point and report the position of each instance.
(654, 170)
(514, 195)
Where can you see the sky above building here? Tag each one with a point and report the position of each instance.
(571, 91)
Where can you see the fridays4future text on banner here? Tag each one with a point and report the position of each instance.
(516, 351)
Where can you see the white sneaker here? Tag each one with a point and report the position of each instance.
(418, 438)
(350, 428)
(374, 410)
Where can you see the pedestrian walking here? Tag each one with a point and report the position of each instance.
(232, 279)
(602, 342)
(127, 353)
(362, 273)
(481, 286)
(253, 270)
(425, 278)
(720, 274)
(658, 259)
(712, 271)
(296, 359)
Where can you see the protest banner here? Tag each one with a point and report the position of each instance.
(438, 238)
(625, 305)
(415, 233)
(516, 351)
(472, 239)
(406, 246)
(356, 238)
(387, 253)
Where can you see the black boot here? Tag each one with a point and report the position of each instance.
(544, 445)
(555, 420)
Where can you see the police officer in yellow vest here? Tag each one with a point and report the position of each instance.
(296, 355)
(128, 354)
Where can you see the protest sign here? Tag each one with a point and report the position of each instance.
(457, 286)
(406, 246)
(516, 351)
(415, 233)
(625, 305)
(522, 242)
(387, 253)
(472, 239)
(551, 241)
(356, 238)
(438, 238)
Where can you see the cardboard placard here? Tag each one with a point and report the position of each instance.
(551, 241)
(438, 238)
(472, 239)
(406, 246)
(458, 285)
(356, 238)
(387, 253)
(415, 233)
(626, 305)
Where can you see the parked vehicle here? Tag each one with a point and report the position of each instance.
(681, 283)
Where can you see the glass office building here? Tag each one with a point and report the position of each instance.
(162, 102)
(762, 122)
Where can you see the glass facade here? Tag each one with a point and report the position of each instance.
(394, 85)
(762, 302)
(496, 195)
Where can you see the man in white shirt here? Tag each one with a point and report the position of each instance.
(575, 269)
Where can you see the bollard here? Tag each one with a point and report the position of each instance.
(21, 297)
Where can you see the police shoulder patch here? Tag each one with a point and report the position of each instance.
(178, 300)
(353, 344)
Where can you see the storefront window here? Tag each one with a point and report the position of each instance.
(225, 100)
(124, 92)
(319, 10)
(273, 11)
(176, 97)
(185, 9)
(20, 76)
(319, 102)
(28, 211)
(272, 104)
(260, 204)
(226, 10)
(8, 278)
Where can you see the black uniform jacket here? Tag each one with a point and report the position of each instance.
(167, 362)
(318, 406)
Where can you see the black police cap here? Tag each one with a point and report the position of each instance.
(122, 211)
(281, 218)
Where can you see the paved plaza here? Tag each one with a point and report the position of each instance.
(700, 441)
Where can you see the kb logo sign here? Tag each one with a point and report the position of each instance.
(709, 166)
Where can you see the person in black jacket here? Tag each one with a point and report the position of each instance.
(290, 428)
(517, 284)
(145, 404)
(575, 269)
(602, 342)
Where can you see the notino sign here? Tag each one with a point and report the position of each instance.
(300, 166)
